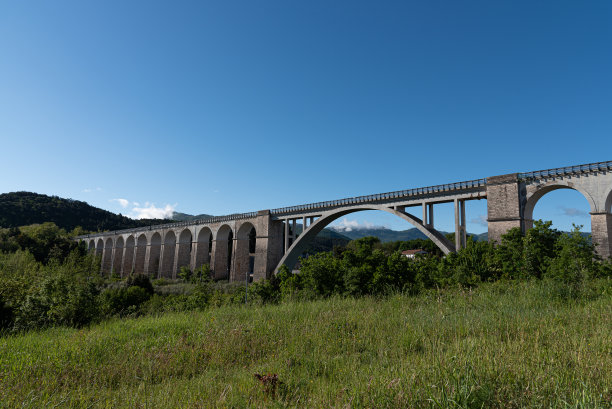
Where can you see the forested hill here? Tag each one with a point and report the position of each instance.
(25, 208)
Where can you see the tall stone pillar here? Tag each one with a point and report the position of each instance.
(601, 231)
(504, 205)
(268, 246)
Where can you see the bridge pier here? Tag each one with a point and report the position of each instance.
(460, 225)
(504, 210)
(601, 231)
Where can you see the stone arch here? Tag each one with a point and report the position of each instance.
(118, 256)
(107, 257)
(244, 259)
(536, 192)
(128, 256)
(204, 247)
(184, 249)
(608, 204)
(92, 245)
(141, 254)
(223, 252)
(299, 245)
(167, 269)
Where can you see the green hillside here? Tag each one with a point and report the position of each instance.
(25, 208)
(184, 217)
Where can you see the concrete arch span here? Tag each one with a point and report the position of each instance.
(297, 248)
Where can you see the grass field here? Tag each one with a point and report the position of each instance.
(508, 345)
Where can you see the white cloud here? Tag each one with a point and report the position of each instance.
(150, 211)
(123, 202)
(573, 212)
(351, 225)
(481, 220)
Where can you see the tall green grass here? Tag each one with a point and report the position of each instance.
(507, 345)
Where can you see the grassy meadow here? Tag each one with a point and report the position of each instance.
(507, 345)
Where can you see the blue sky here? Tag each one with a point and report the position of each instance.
(233, 106)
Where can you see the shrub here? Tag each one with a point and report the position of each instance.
(142, 281)
(122, 301)
(573, 262)
(59, 300)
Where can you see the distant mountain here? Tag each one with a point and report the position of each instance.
(384, 234)
(184, 217)
(24, 208)
(326, 240)
(387, 235)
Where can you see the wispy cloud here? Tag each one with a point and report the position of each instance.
(351, 225)
(480, 220)
(89, 190)
(150, 211)
(123, 202)
(572, 212)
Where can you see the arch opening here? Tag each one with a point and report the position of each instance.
(562, 205)
(128, 256)
(99, 247)
(154, 255)
(244, 260)
(167, 269)
(91, 246)
(223, 252)
(107, 256)
(141, 254)
(118, 257)
(184, 249)
(203, 247)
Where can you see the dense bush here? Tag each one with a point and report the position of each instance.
(46, 279)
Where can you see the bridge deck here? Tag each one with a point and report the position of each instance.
(434, 194)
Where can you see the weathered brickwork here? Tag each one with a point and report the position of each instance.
(601, 231)
(503, 205)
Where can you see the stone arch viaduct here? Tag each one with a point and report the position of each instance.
(258, 243)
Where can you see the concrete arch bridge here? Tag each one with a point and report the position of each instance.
(260, 242)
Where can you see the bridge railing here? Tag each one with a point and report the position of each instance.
(375, 198)
(569, 170)
(214, 219)
(380, 197)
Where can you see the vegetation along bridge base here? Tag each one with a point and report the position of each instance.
(261, 242)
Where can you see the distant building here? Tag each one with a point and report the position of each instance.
(413, 253)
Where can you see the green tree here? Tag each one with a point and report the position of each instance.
(574, 262)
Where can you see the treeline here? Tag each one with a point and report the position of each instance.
(26, 208)
(47, 279)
